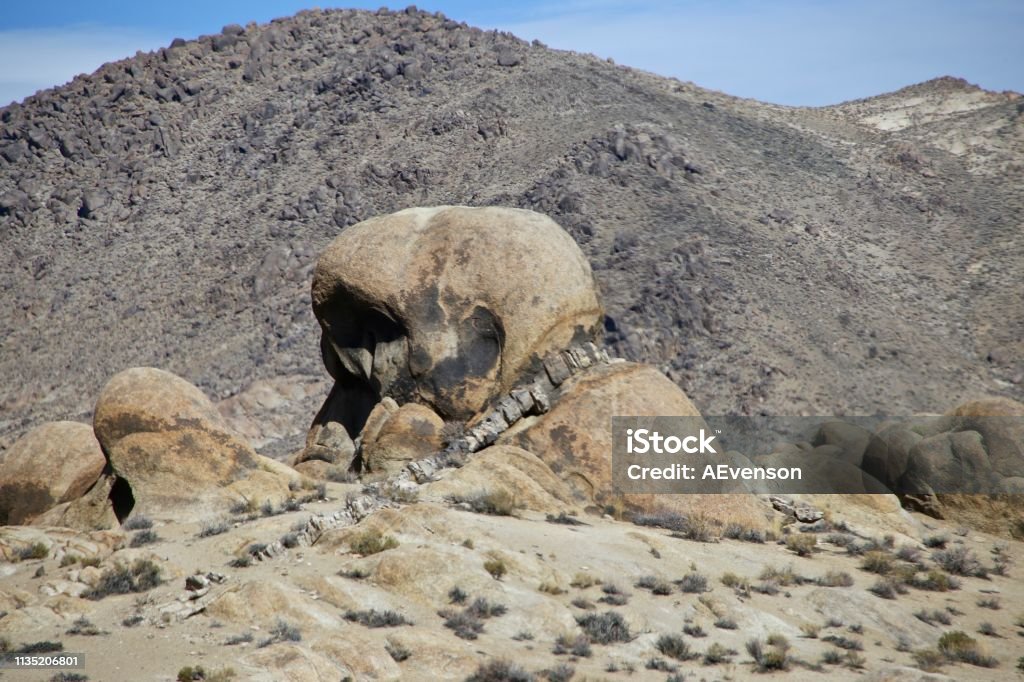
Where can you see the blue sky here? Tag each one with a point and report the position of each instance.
(799, 52)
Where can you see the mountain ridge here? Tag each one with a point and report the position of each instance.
(167, 210)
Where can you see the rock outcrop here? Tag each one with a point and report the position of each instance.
(53, 463)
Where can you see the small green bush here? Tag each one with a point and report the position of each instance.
(372, 542)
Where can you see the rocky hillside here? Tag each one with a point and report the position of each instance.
(167, 210)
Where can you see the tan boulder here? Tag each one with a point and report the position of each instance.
(447, 306)
(168, 444)
(92, 511)
(53, 463)
(519, 474)
(575, 440)
(411, 432)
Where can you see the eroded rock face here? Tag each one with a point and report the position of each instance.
(575, 439)
(168, 444)
(447, 307)
(53, 463)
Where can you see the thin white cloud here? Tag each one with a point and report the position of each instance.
(36, 59)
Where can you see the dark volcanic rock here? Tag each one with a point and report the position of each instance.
(163, 191)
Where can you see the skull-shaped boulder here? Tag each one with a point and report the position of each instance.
(447, 307)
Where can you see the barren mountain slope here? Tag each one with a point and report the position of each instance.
(167, 211)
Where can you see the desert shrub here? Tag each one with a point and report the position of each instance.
(282, 631)
(693, 583)
(886, 589)
(833, 623)
(551, 588)
(143, 538)
(855, 661)
(674, 646)
(268, 509)
(244, 507)
(726, 623)
(730, 579)
(694, 630)
(211, 528)
(856, 628)
(810, 630)
(582, 603)
(373, 618)
(768, 657)
(584, 580)
(840, 539)
(835, 579)
(372, 542)
(986, 628)
(717, 653)
(132, 620)
(292, 505)
(613, 595)
(878, 562)
(141, 576)
(40, 647)
(495, 503)
(36, 550)
(69, 677)
(844, 642)
(697, 527)
(929, 660)
(290, 540)
(244, 638)
(321, 491)
(936, 541)
(462, 623)
(90, 561)
(909, 553)
(140, 522)
(560, 673)
(356, 573)
(397, 652)
(564, 519)
(660, 664)
(523, 636)
(189, 674)
(655, 584)
(468, 543)
(500, 671)
(496, 567)
(801, 544)
(243, 561)
(959, 646)
(481, 608)
(768, 587)
(739, 531)
(831, 657)
(605, 628)
(932, 617)
(934, 581)
(83, 626)
(989, 603)
(578, 645)
(782, 576)
(456, 595)
(959, 560)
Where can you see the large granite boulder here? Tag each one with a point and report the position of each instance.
(53, 463)
(447, 307)
(171, 451)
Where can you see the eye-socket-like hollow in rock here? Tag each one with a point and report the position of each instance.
(448, 307)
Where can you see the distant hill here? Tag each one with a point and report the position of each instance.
(167, 210)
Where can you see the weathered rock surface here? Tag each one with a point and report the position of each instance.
(53, 463)
(575, 440)
(413, 431)
(448, 306)
(172, 450)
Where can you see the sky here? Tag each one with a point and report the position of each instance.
(793, 52)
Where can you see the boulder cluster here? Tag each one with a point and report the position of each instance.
(459, 335)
